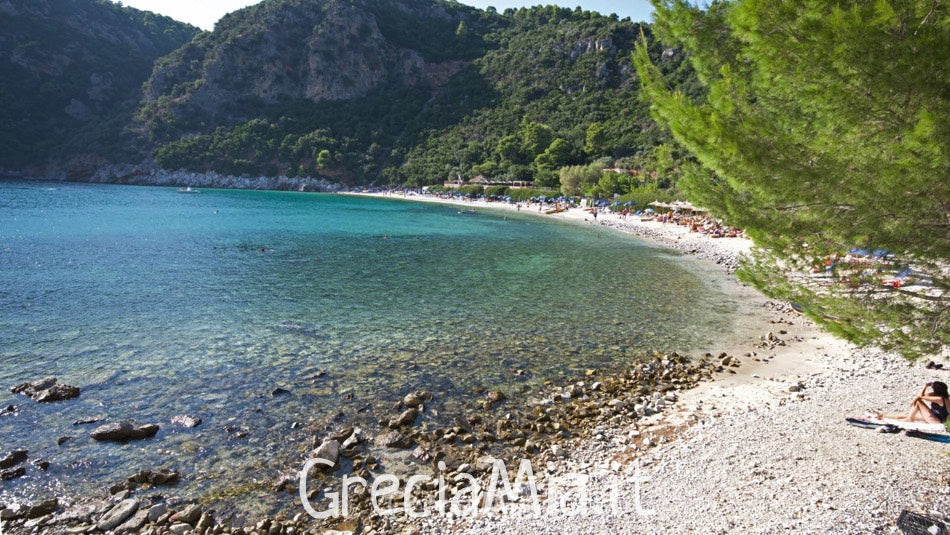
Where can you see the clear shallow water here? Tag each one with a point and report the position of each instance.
(158, 303)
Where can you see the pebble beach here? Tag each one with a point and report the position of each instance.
(762, 450)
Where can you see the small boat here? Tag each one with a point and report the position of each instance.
(188, 190)
(469, 212)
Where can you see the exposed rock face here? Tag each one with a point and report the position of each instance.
(123, 431)
(47, 390)
(316, 50)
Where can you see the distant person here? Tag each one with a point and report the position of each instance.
(929, 408)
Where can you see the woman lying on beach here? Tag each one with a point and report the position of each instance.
(920, 411)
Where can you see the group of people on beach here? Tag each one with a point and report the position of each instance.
(701, 223)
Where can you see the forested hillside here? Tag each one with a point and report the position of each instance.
(403, 91)
(71, 73)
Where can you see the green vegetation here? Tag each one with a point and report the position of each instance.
(72, 75)
(825, 126)
(533, 90)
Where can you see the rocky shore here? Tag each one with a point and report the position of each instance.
(543, 431)
(146, 174)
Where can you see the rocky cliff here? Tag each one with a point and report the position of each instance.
(312, 50)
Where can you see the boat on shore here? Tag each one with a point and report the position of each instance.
(189, 189)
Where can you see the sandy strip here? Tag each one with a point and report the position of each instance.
(764, 449)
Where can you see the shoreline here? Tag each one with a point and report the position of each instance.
(792, 372)
(795, 367)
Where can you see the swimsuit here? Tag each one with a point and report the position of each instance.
(939, 412)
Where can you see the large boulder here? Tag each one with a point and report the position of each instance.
(47, 390)
(123, 431)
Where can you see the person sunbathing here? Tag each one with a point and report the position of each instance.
(920, 411)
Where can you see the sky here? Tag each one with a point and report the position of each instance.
(205, 13)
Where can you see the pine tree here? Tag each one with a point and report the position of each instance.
(825, 126)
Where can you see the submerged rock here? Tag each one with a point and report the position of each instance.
(90, 420)
(153, 478)
(124, 430)
(9, 409)
(47, 390)
(186, 420)
(407, 417)
(414, 399)
(496, 396)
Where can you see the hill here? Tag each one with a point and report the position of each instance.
(401, 91)
(71, 73)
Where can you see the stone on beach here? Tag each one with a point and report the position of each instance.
(393, 439)
(118, 514)
(190, 515)
(123, 431)
(47, 390)
(329, 451)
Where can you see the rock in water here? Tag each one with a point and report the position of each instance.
(13, 458)
(118, 514)
(186, 420)
(406, 418)
(496, 396)
(124, 430)
(414, 399)
(47, 390)
(7, 475)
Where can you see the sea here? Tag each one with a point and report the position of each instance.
(275, 315)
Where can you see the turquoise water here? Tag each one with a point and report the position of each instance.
(158, 303)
